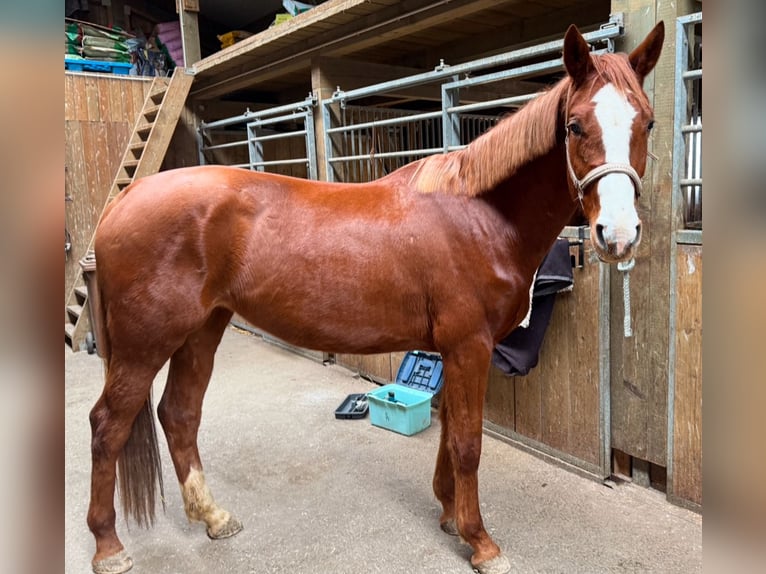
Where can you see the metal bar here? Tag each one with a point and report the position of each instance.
(450, 122)
(278, 119)
(691, 128)
(311, 152)
(690, 182)
(328, 150)
(387, 122)
(227, 121)
(310, 101)
(278, 136)
(281, 162)
(692, 74)
(694, 18)
(376, 155)
(444, 71)
(225, 145)
(604, 368)
(509, 101)
(201, 147)
(255, 149)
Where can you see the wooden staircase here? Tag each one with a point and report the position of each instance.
(143, 156)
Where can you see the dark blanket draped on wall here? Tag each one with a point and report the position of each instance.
(518, 353)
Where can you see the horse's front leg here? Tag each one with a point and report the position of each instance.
(444, 476)
(466, 368)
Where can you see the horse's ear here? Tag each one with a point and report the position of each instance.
(645, 56)
(576, 55)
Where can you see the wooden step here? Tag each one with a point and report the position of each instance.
(69, 334)
(74, 312)
(151, 112)
(137, 149)
(81, 293)
(159, 89)
(128, 169)
(123, 182)
(143, 130)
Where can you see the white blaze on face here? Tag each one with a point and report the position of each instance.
(615, 190)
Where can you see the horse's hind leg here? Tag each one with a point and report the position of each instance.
(126, 391)
(180, 411)
(466, 368)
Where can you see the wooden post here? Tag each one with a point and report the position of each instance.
(639, 365)
(323, 86)
(187, 13)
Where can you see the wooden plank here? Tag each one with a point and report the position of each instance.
(116, 102)
(377, 366)
(500, 400)
(91, 95)
(553, 377)
(69, 97)
(105, 167)
(687, 420)
(80, 98)
(585, 401)
(138, 102)
(190, 36)
(104, 86)
(640, 364)
(76, 214)
(351, 362)
(528, 407)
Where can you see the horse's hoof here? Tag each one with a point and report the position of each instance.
(497, 565)
(450, 528)
(230, 528)
(115, 564)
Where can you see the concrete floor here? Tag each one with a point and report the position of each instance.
(320, 495)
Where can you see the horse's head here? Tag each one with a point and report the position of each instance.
(608, 120)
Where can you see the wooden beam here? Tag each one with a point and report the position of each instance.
(392, 22)
(190, 36)
(521, 33)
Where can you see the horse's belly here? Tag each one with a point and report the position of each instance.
(339, 317)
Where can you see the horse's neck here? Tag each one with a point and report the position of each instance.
(535, 204)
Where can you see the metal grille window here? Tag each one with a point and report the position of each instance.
(279, 140)
(687, 152)
(382, 140)
(361, 147)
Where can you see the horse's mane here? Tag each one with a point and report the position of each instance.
(516, 140)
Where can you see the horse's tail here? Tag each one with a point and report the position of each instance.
(140, 469)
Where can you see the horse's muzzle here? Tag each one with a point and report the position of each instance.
(615, 245)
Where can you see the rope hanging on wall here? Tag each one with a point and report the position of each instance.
(625, 267)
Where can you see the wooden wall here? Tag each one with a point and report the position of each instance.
(686, 483)
(99, 112)
(558, 403)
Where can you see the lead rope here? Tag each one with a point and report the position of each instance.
(625, 267)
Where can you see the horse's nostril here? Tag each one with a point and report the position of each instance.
(638, 234)
(600, 235)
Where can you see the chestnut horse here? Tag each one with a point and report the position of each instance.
(348, 268)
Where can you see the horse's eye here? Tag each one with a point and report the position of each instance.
(575, 128)
(650, 125)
